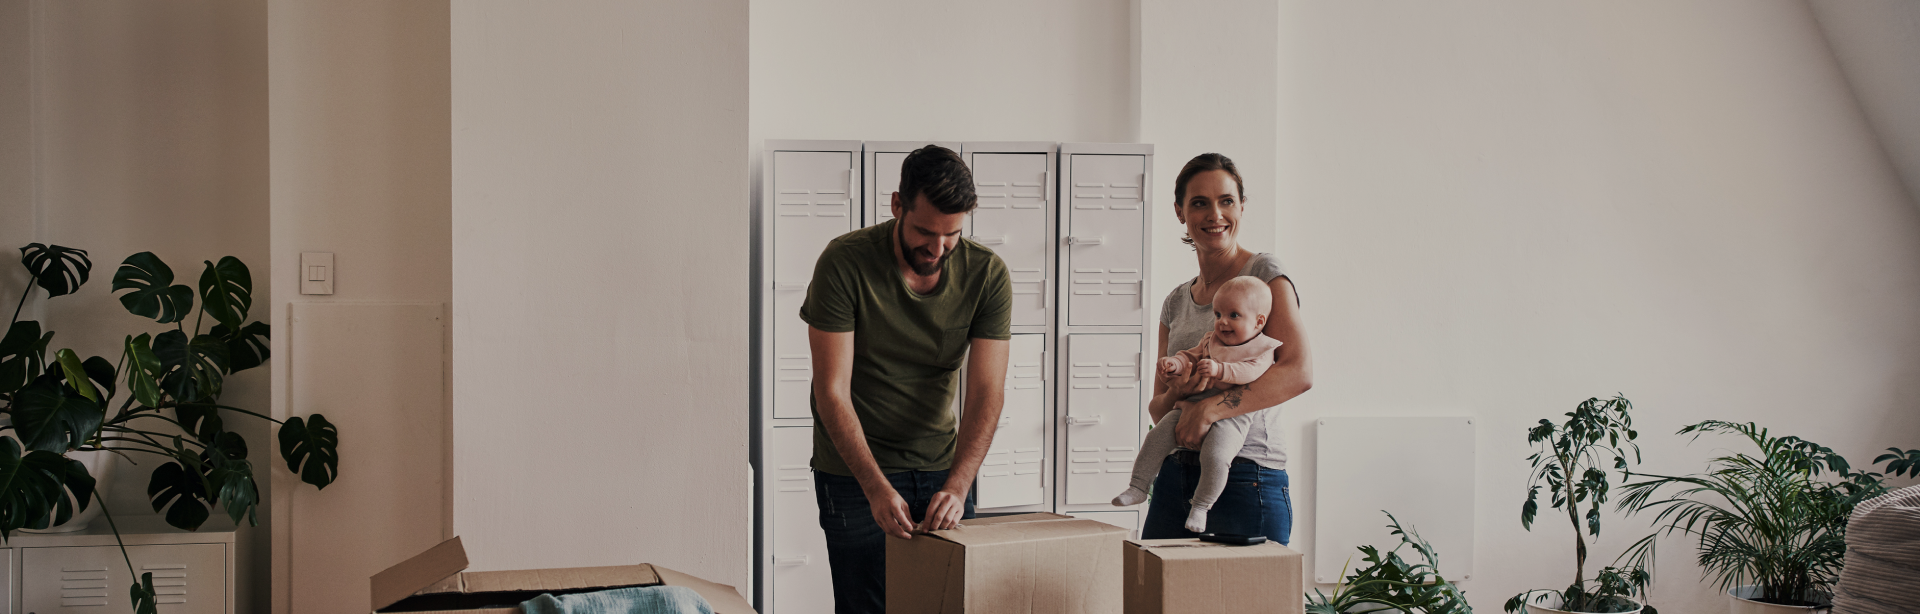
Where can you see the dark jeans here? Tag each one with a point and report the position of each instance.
(1255, 502)
(856, 547)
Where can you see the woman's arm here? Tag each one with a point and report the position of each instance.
(1289, 377)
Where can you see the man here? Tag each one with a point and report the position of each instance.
(891, 311)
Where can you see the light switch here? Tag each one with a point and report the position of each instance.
(316, 273)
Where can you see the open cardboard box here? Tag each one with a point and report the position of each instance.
(1189, 576)
(1029, 563)
(437, 581)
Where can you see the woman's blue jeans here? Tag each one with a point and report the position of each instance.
(1255, 502)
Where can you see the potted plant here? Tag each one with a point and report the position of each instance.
(58, 406)
(1769, 529)
(1570, 458)
(1390, 583)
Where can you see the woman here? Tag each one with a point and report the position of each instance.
(1209, 199)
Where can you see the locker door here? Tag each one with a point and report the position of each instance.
(802, 583)
(187, 578)
(1014, 472)
(813, 204)
(1012, 221)
(1103, 246)
(886, 181)
(1103, 415)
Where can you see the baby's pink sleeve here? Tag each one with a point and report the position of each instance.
(1245, 371)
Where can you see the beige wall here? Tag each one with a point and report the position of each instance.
(145, 130)
(600, 286)
(361, 168)
(1501, 208)
(1877, 43)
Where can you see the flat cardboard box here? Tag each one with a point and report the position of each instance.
(1189, 576)
(1028, 563)
(437, 581)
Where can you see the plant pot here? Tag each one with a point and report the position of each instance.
(99, 463)
(1537, 607)
(1744, 604)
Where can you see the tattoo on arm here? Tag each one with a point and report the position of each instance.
(1231, 398)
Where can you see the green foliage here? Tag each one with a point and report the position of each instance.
(61, 405)
(1614, 590)
(1571, 458)
(1391, 583)
(1770, 520)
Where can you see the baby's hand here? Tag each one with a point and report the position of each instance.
(1209, 367)
(1170, 365)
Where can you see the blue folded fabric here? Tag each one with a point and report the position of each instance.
(636, 600)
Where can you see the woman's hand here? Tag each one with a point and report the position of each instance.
(1194, 422)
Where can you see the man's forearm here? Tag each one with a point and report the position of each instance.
(977, 426)
(843, 429)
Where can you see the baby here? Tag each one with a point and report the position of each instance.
(1233, 353)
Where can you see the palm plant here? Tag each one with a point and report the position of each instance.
(1389, 582)
(62, 405)
(1770, 520)
(1569, 458)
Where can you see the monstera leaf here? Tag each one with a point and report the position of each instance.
(51, 417)
(61, 270)
(180, 492)
(311, 448)
(191, 370)
(230, 474)
(23, 355)
(246, 347)
(143, 370)
(35, 486)
(76, 374)
(154, 294)
(226, 291)
(144, 598)
(203, 422)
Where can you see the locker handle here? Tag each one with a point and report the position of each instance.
(1085, 421)
(789, 561)
(1086, 240)
(1001, 240)
(789, 285)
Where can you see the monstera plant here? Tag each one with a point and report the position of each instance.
(59, 404)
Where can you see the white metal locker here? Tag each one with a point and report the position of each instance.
(883, 174)
(1102, 422)
(1125, 519)
(187, 578)
(1015, 221)
(813, 202)
(1104, 250)
(802, 582)
(1015, 470)
(6, 581)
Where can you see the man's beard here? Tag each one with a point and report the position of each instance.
(915, 255)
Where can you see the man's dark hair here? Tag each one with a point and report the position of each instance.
(940, 175)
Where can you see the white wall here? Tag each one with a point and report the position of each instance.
(140, 127)
(362, 168)
(600, 284)
(1877, 43)
(1501, 208)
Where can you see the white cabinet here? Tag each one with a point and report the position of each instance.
(1105, 243)
(1015, 470)
(1125, 519)
(800, 573)
(187, 578)
(1102, 420)
(1015, 220)
(812, 201)
(6, 581)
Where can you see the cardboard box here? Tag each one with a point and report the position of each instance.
(1189, 576)
(437, 581)
(1029, 563)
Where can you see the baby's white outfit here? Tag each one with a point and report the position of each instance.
(1239, 364)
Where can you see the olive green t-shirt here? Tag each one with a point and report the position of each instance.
(907, 347)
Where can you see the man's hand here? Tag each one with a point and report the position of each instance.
(890, 511)
(944, 511)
